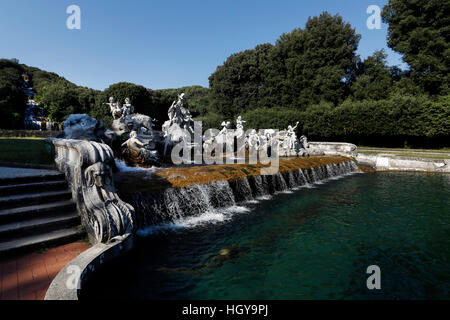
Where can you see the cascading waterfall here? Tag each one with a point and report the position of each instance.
(172, 204)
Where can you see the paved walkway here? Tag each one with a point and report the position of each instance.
(28, 277)
(9, 172)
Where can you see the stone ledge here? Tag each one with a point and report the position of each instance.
(78, 271)
(335, 148)
(388, 162)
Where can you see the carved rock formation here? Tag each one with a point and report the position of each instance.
(88, 168)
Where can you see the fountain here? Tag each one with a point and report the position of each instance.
(86, 152)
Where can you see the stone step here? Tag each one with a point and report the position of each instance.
(34, 198)
(32, 187)
(44, 240)
(40, 210)
(54, 176)
(38, 225)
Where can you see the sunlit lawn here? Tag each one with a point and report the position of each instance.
(25, 150)
(405, 149)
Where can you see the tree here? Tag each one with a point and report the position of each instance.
(374, 78)
(236, 85)
(305, 66)
(140, 97)
(12, 98)
(60, 99)
(315, 64)
(420, 30)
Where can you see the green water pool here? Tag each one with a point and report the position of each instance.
(313, 243)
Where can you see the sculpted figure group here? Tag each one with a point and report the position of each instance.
(120, 112)
(179, 129)
(141, 145)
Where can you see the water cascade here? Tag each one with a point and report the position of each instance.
(172, 204)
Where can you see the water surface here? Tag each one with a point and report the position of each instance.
(313, 243)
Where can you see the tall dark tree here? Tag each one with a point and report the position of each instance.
(374, 78)
(12, 97)
(316, 63)
(60, 99)
(236, 85)
(140, 96)
(420, 30)
(305, 66)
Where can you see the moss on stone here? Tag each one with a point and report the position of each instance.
(238, 171)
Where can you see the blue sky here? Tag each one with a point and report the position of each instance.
(161, 44)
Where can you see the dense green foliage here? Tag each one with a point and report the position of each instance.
(420, 30)
(392, 121)
(314, 75)
(311, 74)
(62, 98)
(12, 98)
(304, 67)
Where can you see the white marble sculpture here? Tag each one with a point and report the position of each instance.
(291, 137)
(114, 108)
(239, 127)
(253, 141)
(127, 109)
(138, 151)
(180, 125)
(83, 127)
(135, 144)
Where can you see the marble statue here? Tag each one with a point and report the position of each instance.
(225, 126)
(83, 127)
(133, 143)
(88, 167)
(114, 108)
(291, 136)
(127, 108)
(306, 149)
(239, 123)
(239, 127)
(178, 113)
(253, 141)
(179, 127)
(304, 142)
(208, 144)
(137, 151)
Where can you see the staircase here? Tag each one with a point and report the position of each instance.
(36, 211)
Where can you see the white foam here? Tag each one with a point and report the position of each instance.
(219, 215)
(121, 165)
(210, 217)
(265, 197)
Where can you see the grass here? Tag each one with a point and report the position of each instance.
(422, 155)
(410, 154)
(406, 149)
(25, 150)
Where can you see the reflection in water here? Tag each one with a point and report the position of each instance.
(312, 244)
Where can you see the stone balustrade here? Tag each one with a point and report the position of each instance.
(88, 168)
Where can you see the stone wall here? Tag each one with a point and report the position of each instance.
(335, 148)
(386, 162)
